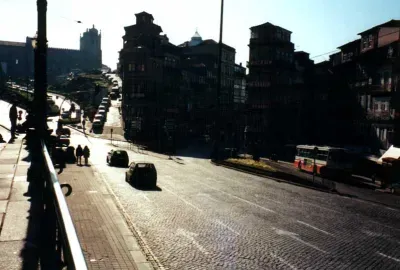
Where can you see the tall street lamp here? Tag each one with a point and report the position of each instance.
(40, 51)
(218, 120)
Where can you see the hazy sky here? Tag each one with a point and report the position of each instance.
(318, 26)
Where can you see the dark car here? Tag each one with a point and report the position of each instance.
(118, 158)
(64, 132)
(142, 174)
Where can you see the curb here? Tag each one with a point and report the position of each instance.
(309, 187)
(157, 155)
(5, 127)
(145, 249)
(275, 178)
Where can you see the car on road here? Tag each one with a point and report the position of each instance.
(103, 113)
(65, 115)
(99, 117)
(64, 132)
(118, 158)
(97, 124)
(141, 174)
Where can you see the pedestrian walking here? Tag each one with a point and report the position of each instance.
(13, 118)
(79, 153)
(83, 125)
(86, 154)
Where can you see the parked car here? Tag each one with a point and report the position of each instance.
(103, 113)
(142, 174)
(118, 158)
(97, 124)
(64, 132)
(65, 115)
(99, 117)
(62, 141)
(102, 107)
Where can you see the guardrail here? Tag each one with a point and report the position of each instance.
(61, 238)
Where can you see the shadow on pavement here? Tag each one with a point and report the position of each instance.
(196, 150)
(31, 252)
(145, 188)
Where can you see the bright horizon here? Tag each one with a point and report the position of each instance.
(317, 28)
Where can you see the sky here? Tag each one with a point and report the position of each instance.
(317, 26)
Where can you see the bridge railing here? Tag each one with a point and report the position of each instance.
(62, 247)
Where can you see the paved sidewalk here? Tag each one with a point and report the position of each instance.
(106, 240)
(19, 210)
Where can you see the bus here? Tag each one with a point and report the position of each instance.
(329, 161)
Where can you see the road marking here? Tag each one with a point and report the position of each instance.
(234, 196)
(183, 200)
(389, 257)
(294, 236)
(322, 207)
(291, 266)
(390, 227)
(313, 227)
(190, 236)
(198, 209)
(145, 197)
(208, 196)
(226, 226)
(268, 199)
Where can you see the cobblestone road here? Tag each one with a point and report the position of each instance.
(208, 217)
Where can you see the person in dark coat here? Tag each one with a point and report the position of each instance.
(86, 154)
(79, 153)
(13, 118)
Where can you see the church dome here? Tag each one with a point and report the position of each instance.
(196, 39)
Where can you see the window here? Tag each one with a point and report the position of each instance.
(254, 34)
(130, 67)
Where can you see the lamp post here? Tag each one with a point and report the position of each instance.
(218, 119)
(40, 50)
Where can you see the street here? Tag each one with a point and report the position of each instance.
(208, 217)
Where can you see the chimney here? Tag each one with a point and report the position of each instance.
(240, 63)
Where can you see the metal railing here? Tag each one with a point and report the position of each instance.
(62, 240)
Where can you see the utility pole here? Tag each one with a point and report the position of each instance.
(40, 95)
(218, 119)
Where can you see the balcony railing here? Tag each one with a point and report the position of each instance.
(365, 86)
(61, 240)
(379, 115)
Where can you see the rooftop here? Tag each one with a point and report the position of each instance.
(145, 13)
(351, 43)
(12, 43)
(391, 23)
(268, 24)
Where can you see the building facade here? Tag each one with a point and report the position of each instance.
(151, 79)
(271, 99)
(368, 69)
(17, 58)
(170, 92)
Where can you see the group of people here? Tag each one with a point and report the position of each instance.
(79, 152)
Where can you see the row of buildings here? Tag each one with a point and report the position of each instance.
(169, 91)
(17, 58)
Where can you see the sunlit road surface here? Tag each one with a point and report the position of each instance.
(208, 217)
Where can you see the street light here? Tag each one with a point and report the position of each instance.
(218, 120)
(40, 49)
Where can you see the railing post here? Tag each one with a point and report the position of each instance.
(49, 232)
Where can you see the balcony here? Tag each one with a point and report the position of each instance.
(259, 84)
(371, 88)
(380, 116)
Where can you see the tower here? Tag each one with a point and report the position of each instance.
(90, 46)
